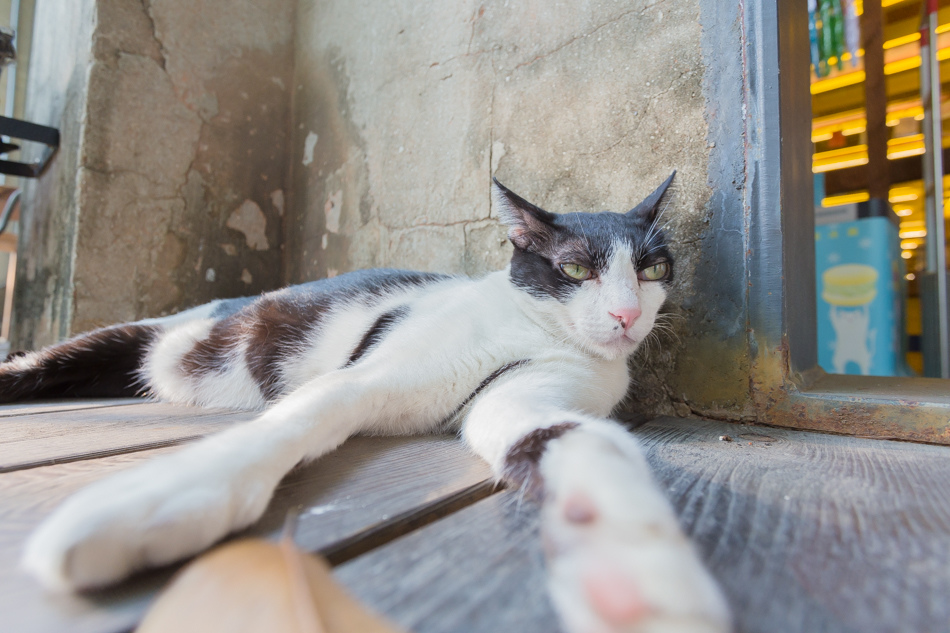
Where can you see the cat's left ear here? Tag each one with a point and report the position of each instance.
(528, 225)
(647, 210)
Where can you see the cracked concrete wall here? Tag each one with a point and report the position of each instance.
(177, 136)
(404, 111)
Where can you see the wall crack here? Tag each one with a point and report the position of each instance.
(147, 6)
(587, 34)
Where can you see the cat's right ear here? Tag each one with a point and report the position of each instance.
(528, 225)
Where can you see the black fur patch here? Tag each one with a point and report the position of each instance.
(376, 333)
(276, 330)
(210, 353)
(276, 324)
(103, 363)
(522, 460)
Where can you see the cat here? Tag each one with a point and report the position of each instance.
(526, 364)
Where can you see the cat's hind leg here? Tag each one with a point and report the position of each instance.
(617, 559)
(104, 363)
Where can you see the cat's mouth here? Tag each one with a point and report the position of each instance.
(619, 344)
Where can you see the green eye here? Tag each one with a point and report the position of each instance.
(655, 272)
(576, 271)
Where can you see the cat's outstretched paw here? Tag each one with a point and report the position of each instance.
(617, 559)
(151, 515)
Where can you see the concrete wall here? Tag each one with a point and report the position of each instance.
(404, 111)
(170, 185)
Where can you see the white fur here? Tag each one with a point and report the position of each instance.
(185, 316)
(456, 333)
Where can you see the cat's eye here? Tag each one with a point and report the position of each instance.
(656, 272)
(576, 271)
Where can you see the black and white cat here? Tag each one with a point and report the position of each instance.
(526, 364)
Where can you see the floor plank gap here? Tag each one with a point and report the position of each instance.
(406, 522)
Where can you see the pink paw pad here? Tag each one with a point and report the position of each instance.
(614, 597)
(579, 509)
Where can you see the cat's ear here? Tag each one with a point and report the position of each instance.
(528, 225)
(647, 210)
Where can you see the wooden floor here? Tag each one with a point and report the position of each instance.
(806, 532)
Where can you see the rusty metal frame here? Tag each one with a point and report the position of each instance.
(787, 386)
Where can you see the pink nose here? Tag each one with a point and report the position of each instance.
(626, 316)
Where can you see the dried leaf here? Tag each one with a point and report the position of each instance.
(254, 586)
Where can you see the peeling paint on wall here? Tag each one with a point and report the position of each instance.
(251, 221)
(332, 209)
(277, 199)
(308, 146)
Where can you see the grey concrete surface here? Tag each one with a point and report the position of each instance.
(170, 186)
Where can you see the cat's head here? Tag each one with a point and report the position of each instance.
(602, 276)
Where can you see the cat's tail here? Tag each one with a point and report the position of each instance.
(104, 363)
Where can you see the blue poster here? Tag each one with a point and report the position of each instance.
(860, 293)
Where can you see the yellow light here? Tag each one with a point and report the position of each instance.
(832, 83)
(943, 54)
(845, 198)
(907, 254)
(902, 197)
(900, 41)
(916, 233)
(904, 212)
(913, 151)
(910, 276)
(905, 111)
(853, 130)
(909, 245)
(919, 117)
(943, 28)
(818, 138)
(854, 162)
(903, 64)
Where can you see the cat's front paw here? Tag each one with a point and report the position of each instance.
(610, 576)
(617, 559)
(151, 515)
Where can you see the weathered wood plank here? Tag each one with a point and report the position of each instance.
(806, 533)
(58, 436)
(56, 406)
(478, 570)
(363, 488)
(812, 532)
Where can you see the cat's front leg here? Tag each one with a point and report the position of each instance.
(616, 557)
(179, 504)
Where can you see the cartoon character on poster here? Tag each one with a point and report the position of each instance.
(849, 289)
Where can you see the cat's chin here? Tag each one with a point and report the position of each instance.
(616, 347)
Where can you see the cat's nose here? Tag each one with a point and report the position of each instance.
(626, 316)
